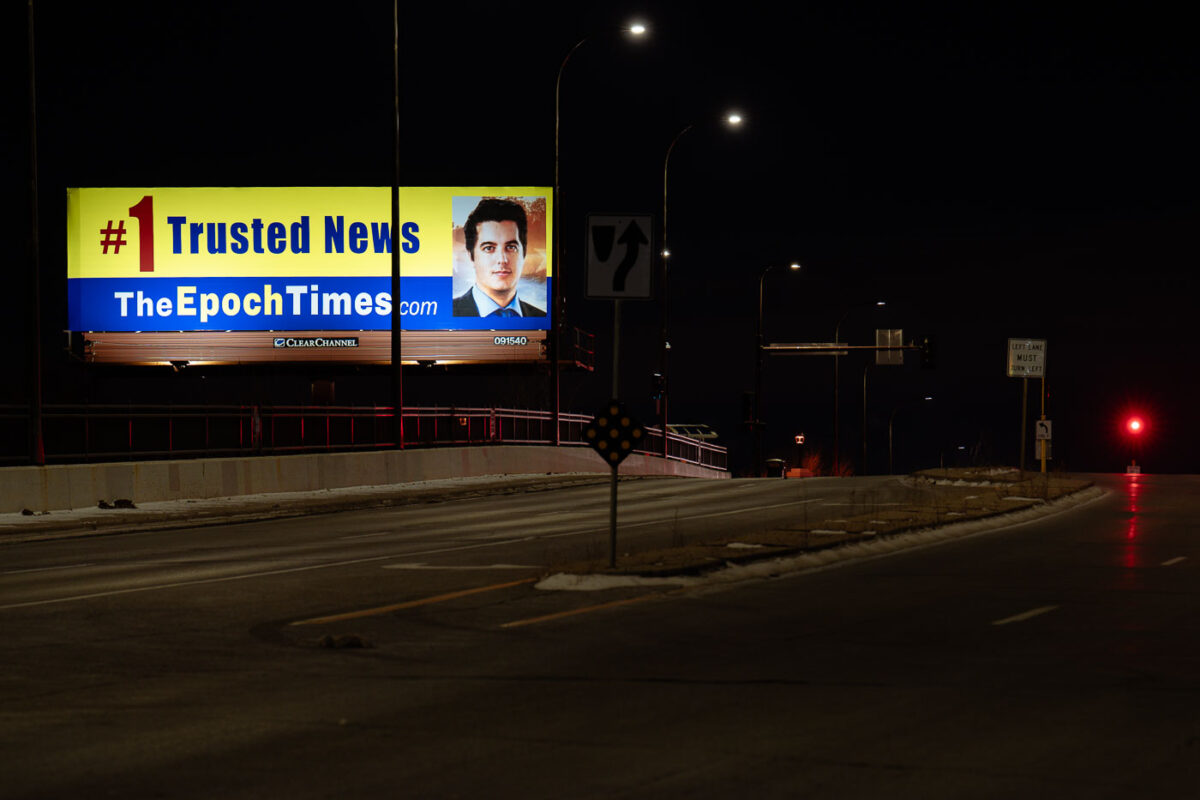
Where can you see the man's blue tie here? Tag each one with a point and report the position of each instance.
(503, 312)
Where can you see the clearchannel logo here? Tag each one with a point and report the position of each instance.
(315, 341)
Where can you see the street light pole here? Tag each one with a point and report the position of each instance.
(758, 371)
(37, 444)
(664, 343)
(556, 265)
(732, 119)
(636, 29)
(396, 338)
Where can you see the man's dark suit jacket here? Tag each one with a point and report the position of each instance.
(464, 306)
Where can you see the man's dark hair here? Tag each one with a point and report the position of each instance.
(495, 209)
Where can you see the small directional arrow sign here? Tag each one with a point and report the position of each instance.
(614, 433)
(620, 261)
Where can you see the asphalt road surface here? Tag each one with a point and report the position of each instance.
(1059, 658)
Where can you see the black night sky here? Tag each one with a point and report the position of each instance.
(1008, 171)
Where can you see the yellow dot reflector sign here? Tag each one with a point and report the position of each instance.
(614, 433)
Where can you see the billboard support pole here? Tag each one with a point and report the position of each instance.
(396, 356)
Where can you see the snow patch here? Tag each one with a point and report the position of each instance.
(564, 582)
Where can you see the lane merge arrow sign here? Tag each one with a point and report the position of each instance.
(620, 262)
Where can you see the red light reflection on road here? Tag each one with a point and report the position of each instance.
(1130, 551)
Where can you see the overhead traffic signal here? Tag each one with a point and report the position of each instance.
(928, 352)
(1135, 426)
(658, 386)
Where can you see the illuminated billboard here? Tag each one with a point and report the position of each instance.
(244, 275)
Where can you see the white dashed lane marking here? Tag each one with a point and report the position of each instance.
(1035, 612)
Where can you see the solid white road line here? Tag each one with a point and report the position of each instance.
(42, 569)
(1170, 562)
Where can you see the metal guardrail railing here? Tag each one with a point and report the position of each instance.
(80, 433)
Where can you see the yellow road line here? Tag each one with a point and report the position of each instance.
(373, 612)
(560, 614)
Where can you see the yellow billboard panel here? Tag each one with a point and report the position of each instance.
(307, 258)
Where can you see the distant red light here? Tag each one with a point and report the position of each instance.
(1135, 425)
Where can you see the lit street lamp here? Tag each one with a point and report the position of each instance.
(732, 119)
(758, 371)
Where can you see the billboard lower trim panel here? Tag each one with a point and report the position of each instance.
(351, 347)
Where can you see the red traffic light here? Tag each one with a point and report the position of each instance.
(1135, 426)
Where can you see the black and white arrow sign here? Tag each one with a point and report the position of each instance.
(620, 261)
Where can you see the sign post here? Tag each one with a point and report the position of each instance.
(1027, 359)
(619, 267)
(613, 433)
(1042, 435)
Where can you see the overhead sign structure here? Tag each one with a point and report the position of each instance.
(619, 257)
(243, 275)
(1026, 358)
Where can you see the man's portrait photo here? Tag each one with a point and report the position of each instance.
(500, 270)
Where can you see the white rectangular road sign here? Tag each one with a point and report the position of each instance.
(1026, 358)
(620, 258)
(889, 337)
(1043, 430)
